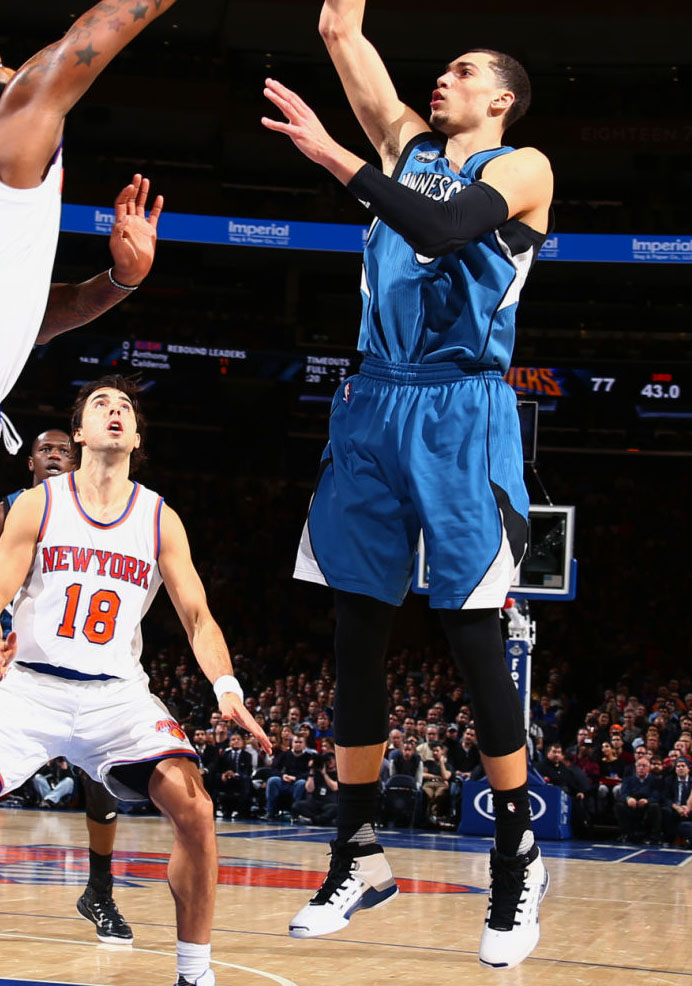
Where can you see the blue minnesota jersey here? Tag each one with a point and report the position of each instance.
(459, 307)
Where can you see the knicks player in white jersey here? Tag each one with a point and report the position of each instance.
(51, 455)
(35, 101)
(84, 555)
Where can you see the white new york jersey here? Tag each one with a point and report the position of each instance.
(91, 583)
(29, 227)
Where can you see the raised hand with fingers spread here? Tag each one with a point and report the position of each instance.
(133, 238)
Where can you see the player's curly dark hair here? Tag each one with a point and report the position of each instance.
(130, 386)
(513, 76)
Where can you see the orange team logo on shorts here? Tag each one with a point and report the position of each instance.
(172, 727)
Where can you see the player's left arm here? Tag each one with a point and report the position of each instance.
(431, 228)
(133, 247)
(206, 640)
(524, 179)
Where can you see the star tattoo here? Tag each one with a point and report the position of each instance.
(86, 55)
(140, 11)
(116, 24)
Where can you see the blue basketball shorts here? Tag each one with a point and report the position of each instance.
(416, 447)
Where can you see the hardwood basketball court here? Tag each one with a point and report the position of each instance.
(614, 916)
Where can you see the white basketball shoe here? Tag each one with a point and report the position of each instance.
(359, 878)
(517, 887)
(206, 979)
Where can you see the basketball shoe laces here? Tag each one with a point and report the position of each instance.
(339, 872)
(507, 891)
(106, 912)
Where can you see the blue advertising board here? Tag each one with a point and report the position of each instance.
(550, 810)
(349, 238)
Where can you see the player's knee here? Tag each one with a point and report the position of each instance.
(360, 643)
(193, 816)
(101, 806)
(360, 713)
(475, 638)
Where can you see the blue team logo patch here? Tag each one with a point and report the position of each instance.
(425, 157)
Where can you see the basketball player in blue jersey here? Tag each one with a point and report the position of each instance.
(51, 455)
(87, 551)
(35, 101)
(426, 436)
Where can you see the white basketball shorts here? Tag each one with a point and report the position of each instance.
(96, 725)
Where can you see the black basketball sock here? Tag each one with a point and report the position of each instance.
(513, 834)
(357, 807)
(100, 877)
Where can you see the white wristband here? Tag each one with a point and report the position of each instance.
(117, 284)
(228, 683)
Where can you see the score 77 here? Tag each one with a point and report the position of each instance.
(602, 383)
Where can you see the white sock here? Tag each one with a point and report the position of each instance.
(193, 959)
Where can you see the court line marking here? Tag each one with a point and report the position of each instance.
(631, 855)
(275, 977)
(343, 941)
(44, 981)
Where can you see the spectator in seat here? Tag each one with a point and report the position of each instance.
(677, 792)
(394, 743)
(54, 783)
(425, 749)
(548, 718)
(611, 770)
(630, 730)
(462, 759)
(322, 730)
(407, 761)
(319, 803)
(290, 775)
(619, 748)
(436, 778)
(207, 754)
(637, 807)
(640, 753)
(234, 770)
(561, 771)
(220, 736)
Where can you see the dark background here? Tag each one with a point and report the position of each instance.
(612, 89)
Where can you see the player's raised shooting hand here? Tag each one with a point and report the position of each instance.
(307, 133)
(231, 707)
(8, 651)
(133, 238)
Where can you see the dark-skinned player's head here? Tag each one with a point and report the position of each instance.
(51, 455)
(110, 386)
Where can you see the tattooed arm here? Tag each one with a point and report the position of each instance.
(48, 85)
(132, 245)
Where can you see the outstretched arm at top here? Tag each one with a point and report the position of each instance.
(518, 185)
(388, 123)
(132, 245)
(47, 86)
(187, 595)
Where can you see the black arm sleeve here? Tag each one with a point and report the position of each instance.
(431, 228)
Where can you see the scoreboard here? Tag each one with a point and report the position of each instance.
(633, 400)
(645, 390)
